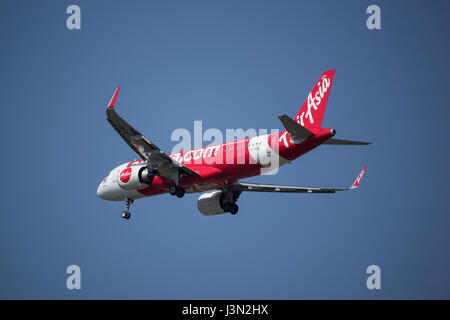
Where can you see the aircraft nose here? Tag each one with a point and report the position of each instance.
(100, 191)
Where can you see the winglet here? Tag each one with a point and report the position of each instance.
(112, 102)
(358, 179)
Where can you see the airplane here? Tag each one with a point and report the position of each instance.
(204, 169)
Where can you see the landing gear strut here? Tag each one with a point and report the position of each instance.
(126, 214)
(177, 191)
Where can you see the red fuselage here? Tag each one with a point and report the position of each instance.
(232, 161)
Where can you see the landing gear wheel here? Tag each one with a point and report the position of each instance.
(174, 189)
(227, 206)
(234, 208)
(181, 192)
(177, 191)
(126, 214)
(228, 200)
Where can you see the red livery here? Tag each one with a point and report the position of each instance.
(218, 169)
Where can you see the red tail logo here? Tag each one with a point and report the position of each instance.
(311, 113)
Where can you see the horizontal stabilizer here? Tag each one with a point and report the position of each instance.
(295, 129)
(346, 142)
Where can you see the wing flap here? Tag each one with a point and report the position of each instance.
(259, 187)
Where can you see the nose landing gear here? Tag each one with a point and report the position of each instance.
(126, 214)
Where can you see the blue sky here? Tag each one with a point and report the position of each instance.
(231, 64)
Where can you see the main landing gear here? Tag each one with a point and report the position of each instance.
(177, 191)
(126, 214)
(228, 201)
(232, 208)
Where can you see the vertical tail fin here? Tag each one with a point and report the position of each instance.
(311, 113)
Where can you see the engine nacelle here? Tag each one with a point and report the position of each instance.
(135, 177)
(210, 203)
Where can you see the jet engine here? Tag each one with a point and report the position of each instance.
(210, 203)
(135, 177)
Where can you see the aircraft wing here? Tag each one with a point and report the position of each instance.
(257, 187)
(146, 150)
